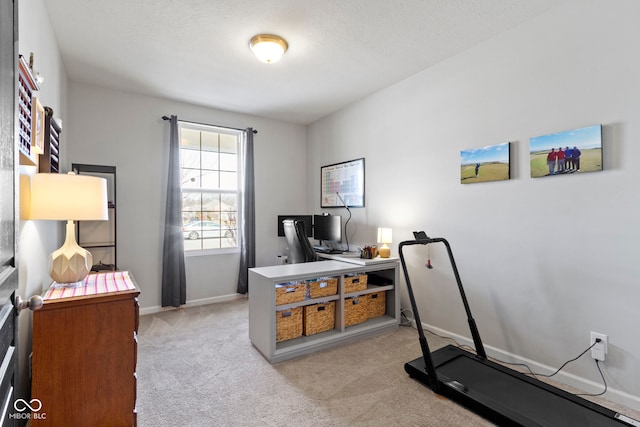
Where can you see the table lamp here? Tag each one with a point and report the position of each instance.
(69, 197)
(384, 237)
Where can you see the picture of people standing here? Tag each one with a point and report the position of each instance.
(575, 158)
(551, 161)
(582, 152)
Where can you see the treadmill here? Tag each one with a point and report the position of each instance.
(493, 391)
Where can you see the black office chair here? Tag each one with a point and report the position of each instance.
(300, 249)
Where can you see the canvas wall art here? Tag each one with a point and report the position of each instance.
(573, 151)
(489, 163)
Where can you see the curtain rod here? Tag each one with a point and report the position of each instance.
(206, 124)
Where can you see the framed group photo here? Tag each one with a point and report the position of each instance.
(572, 151)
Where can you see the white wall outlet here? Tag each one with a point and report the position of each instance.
(599, 350)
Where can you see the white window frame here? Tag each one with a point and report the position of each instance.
(238, 191)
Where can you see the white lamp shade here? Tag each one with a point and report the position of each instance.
(384, 235)
(65, 197)
(268, 48)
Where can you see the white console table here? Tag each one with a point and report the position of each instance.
(262, 305)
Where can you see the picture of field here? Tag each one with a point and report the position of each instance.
(490, 163)
(568, 152)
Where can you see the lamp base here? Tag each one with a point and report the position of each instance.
(70, 264)
(384, 251)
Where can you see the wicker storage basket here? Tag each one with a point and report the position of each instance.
(319, 318)
(376, 304)
(355, 283)
(322, 287)
(288, 324)
(355, 310)
(289, 292)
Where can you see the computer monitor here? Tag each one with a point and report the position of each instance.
(327, 228)
(308, 225)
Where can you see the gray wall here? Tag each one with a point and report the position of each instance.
(102, 126)
(544, 261)
(37, 239)
(126, 130)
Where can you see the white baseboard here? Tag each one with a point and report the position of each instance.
(192, 303)
(588, 386)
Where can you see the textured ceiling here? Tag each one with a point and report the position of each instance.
(339, 50)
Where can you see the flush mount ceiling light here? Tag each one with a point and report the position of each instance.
(268, 48)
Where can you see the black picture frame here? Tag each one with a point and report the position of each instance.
(343, 184)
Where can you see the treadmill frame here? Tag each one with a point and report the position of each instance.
(425, 368)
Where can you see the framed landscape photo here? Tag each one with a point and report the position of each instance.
(489, 163)
(562, 153)
(342, 182)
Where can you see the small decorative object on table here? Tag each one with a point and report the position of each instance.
(384, 237)
(369, 252)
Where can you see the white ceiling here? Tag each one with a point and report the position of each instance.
(339, 50)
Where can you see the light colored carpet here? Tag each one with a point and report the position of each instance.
(197, 367)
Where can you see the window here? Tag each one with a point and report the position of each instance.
(210, 180)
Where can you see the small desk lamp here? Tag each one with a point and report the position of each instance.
(69, 197)
(384, 237)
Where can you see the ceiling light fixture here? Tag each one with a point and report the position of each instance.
(268, 48)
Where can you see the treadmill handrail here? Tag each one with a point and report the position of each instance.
(432, 377)
(426, 352)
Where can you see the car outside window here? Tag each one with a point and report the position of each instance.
(210, 184)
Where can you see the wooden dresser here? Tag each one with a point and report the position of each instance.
(84, 353)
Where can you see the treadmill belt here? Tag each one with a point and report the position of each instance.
(502, 390)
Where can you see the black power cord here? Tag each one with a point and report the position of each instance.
(568, 361)
(346, 235)
(603, 381)
(597, 341)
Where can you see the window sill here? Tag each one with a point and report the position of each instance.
(207, 252)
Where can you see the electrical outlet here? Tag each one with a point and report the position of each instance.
(599, 350)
